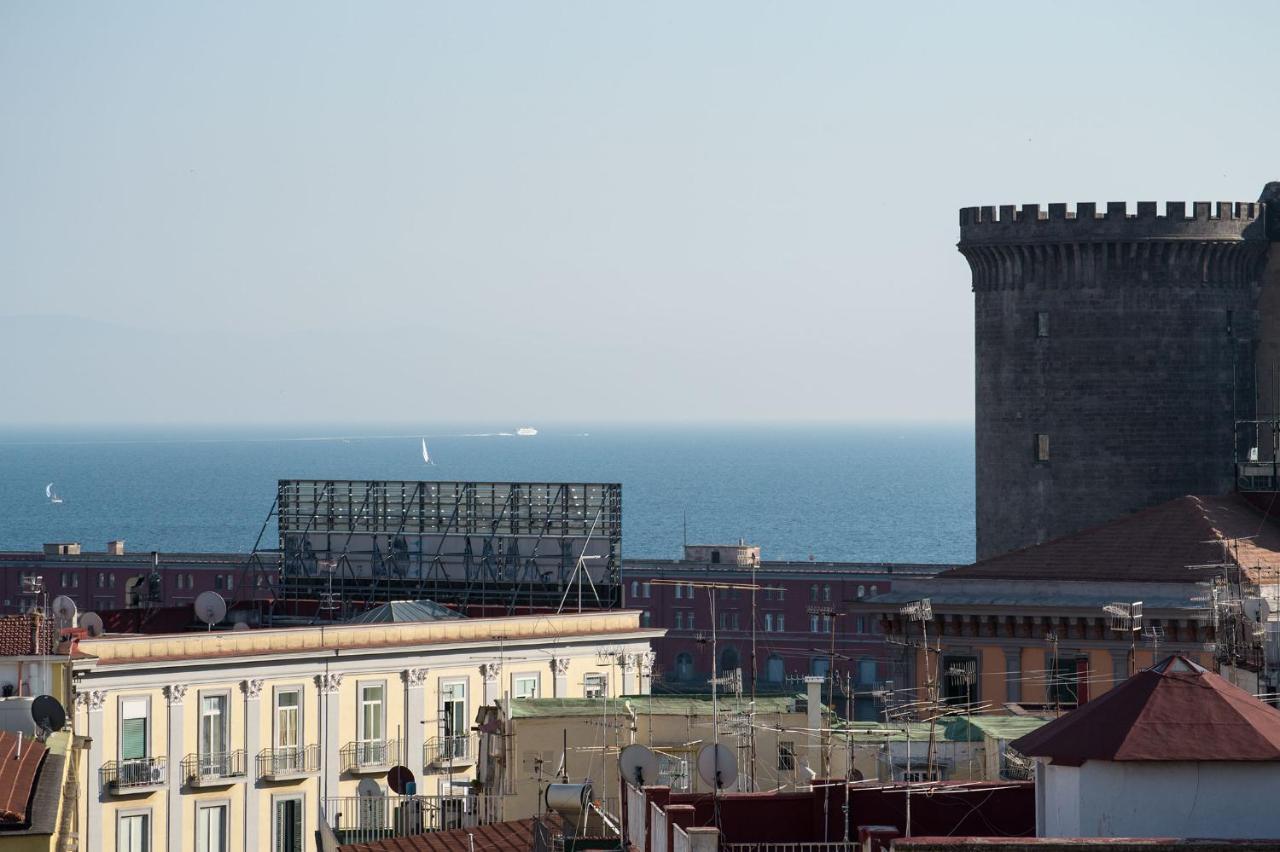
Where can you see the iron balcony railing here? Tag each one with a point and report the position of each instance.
(441, 752)
(288, 762)
(369, 755)
(367, 819)
(214, 767)
(134, 774)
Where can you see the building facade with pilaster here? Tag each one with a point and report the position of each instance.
(246, 740)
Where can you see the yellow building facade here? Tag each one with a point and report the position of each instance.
(246, 740)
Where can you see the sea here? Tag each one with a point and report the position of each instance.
(842, 492)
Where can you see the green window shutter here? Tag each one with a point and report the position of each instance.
(133, 739)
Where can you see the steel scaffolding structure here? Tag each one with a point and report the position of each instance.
(347, 544)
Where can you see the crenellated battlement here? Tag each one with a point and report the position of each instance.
(1087, 222)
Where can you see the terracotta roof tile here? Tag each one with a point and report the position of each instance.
(27, 635)
(1175, 710)
(1154, 545)
(18, 776)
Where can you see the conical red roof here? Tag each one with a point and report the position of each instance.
(1176, 710)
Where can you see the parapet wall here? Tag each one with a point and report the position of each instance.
(1229, 220)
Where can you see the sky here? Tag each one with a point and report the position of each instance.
(664, 211)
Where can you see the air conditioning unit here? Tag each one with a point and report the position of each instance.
(157, 774)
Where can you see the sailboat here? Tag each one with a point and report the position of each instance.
(426, 456)
(51, 495)
(526, 431)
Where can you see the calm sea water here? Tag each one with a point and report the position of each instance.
(874, 493)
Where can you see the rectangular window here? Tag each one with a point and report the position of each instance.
(679, 619)
(288, 718)
(231, 582)
(133, 832)
(768, 622)
(133, 728)
(595, 685)
(813, 624)
(286, 828)
(215, 735)
(688, 620)
(786, 754)
(454, 721)
(782, 622)
(371, 712)
(211, 828)
(679, 592)
(524, 686)
(1042, 324)
(217, 581)
(1042, 447)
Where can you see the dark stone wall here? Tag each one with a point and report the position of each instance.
(1143, 360)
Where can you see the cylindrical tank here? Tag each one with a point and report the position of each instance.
(1113, 353)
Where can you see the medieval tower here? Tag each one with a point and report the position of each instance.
(1115, 351)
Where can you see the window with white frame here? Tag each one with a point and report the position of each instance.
(595, 685)
(288, 721)
(454, 720)
(781, 622)
(679, 619)
(133, 831)
(372, 720)
(134, 728)
(286, 824)
(768, 622)
(524, 686)
(679, 591)
(215, 733)
(211, 827)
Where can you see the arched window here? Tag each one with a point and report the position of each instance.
(729, 659)
(826, 592)
(635, 589)
(813, 592)
(873, 589)
(862, 591)
(684, 666)
(774, 671)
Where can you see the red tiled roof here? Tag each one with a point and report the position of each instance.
(1175, 710)
(27, 635)
(1155, 544)
(514, 836)
(18, 776)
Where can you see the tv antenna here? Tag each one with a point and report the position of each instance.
(92, 624)
(638, 765)
(1126, 618)
(210, 608)
(65, 610)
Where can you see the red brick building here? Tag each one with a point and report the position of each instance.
(791, 618)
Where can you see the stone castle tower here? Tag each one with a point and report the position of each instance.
(1115, 351)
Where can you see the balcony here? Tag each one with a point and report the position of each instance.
(367, 819)
(288, 764)
(214, 769)
(365, 757)
(448, 754)
(134, 777)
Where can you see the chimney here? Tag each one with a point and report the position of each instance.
(813, 695)
(115, 547)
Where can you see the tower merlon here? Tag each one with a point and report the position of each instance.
(1199, 220)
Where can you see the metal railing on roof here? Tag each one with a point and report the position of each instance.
(367, 819)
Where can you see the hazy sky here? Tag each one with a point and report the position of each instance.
(547, 211)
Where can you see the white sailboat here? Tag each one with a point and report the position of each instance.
(526, 431)
(51, 495)
(426, 456)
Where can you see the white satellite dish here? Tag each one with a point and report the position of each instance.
(65, 609)
(638, 765)
(92, 624)
(210, 608)
(717, 765)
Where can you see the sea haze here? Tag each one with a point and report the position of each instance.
(833, 492)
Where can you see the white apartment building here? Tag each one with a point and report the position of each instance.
(246, 740)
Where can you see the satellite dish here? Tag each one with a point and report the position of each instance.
(368, 788)
(399, 779)
(638, 765)
(210, 608)
(717, 766)
(92, 624)
(240, 625)
(48, 714)
(65, 609)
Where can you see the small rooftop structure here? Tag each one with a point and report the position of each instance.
(1175, 711)
(402, 612)
(1174, 751)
